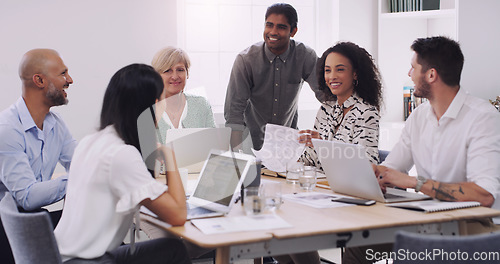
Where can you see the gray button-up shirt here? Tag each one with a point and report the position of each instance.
(264, 88)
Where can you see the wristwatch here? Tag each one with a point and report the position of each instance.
(420, 181)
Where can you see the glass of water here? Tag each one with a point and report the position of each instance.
(271, 191)
(293, 171)
(307, 180)
(253, 204)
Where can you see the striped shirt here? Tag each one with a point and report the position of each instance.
(359, 126)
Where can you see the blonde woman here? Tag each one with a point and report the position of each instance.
(182, 110)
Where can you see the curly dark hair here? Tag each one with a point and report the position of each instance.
(369, 86)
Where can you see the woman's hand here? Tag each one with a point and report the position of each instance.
(306, 136)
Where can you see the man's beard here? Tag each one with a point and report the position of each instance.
(423, 90)
(56, 97)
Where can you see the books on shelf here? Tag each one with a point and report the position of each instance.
(413, 5)
(410, 101)
(429, 206)
(407, 100)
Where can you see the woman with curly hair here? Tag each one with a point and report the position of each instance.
(352, 87)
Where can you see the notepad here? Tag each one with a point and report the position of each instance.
(430, 206)
(268, 172)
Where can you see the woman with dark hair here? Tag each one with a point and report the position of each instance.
(350, 113)
(109, 180)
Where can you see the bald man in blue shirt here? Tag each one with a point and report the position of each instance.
(34, 139)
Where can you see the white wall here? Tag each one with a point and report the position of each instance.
(95, 39)
(236, 24)
(230, 26)
(358, 23)
(479, 37)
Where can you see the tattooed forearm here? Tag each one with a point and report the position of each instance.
(447, 192)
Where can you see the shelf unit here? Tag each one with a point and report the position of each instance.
(396, 32)
(474, 24)
(447, 13)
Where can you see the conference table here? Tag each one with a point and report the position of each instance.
(315, 229)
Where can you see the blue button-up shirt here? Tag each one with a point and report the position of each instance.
(28, 156)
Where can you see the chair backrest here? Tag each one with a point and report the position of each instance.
(382, 154)
(483, 248)
(31, 235)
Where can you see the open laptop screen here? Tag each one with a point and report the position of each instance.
(219, 179)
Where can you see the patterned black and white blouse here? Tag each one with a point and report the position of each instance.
(359, 126)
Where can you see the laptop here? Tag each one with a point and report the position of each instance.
(192, 145)
(349, 171)
(219, 183)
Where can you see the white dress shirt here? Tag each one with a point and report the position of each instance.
(463, 146)
(107, 181)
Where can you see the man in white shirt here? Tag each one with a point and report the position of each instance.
(453, 139)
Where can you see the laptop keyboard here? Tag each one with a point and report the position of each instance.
(391, 196)
(196, 211)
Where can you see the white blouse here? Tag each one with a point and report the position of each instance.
(107, 181)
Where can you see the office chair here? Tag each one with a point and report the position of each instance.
(382, 154)
(206, 258)
(30, 235)
(446, 249)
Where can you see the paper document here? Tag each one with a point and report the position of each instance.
(316, 199)
(239, 223)
(281, 145)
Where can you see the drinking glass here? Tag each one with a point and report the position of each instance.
(293, 171)
(253, 204)
(271, 193)
(307, 180)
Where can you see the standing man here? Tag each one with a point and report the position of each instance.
(453, 140)
(267, 77)
(33, 138)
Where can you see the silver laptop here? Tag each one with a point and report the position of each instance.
(192, 145)
(219, 183)
(349, 171)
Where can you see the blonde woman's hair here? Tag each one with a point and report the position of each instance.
(167, 57)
